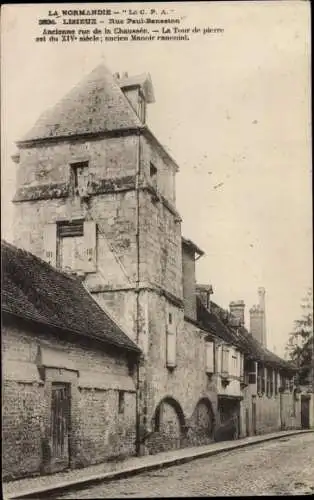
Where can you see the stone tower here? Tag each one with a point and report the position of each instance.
(96, 197)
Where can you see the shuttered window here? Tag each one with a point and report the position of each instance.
(234, 366)
(77, 246)
(276, 382)
(171, 349)
(72, 253)
(209, 357)
(79, 178)
(241, 365)
(225, 360)
(171, 340)
(50, 243)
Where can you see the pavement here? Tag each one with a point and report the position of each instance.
(63, 481)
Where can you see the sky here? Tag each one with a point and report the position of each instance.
(232, 108)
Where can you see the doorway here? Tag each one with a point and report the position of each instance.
(305, 412)
(60, 426)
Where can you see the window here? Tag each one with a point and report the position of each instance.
(234, 364)
(79, 178)
(153, 175)
(261, 379)
(209, 357)
(77, 246)
(276, 382)
(272, 375)
(121, 401)
(225, 360)
(269, 382)
(171, 342)
(241, 366)
(71, 246)
(250, 371)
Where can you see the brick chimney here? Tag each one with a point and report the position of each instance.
(258, 318)
(237, 309)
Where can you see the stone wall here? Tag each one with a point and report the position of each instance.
(160, 245)
(189, 283)
(272, 414)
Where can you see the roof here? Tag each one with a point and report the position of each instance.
(192, 246)
(96, 104)
(238, 336)
(34, 290)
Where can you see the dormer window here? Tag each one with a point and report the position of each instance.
(153, 175)
(79, 178)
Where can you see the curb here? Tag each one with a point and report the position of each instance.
(134, 470)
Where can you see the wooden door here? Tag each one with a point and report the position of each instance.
(305, 412)
(60, 426)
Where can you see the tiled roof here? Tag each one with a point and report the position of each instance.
(96, 104)
(238, 336)
(34, 290)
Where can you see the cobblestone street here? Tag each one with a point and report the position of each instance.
(281, 467)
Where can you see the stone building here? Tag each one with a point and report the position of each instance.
(69, 384)
(96, 198)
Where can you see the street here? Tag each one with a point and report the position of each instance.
(280, 467)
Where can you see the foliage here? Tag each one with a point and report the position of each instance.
(300, 345)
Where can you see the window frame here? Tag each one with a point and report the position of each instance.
(74, 177)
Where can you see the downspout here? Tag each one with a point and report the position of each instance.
(137, 286)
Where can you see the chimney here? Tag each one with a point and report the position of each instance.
(117, 76)
(204, 292)
(125, 75)
(237, 309)
(258, 318)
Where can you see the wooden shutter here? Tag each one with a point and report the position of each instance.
(241, 365)
(90, 245)
(225, 359)
(171, 348)
(209, 357)
(50, 244)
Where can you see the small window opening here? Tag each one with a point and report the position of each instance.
(121, 401)
(79, 175)
(170, 319)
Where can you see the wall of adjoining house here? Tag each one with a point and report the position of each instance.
(183, 386)
(98, 430)
(273, 413)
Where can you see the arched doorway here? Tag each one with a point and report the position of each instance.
(168, 425)
(202, 423)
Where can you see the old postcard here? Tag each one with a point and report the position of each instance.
(157, 326)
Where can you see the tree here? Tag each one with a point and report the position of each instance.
(300, 345)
